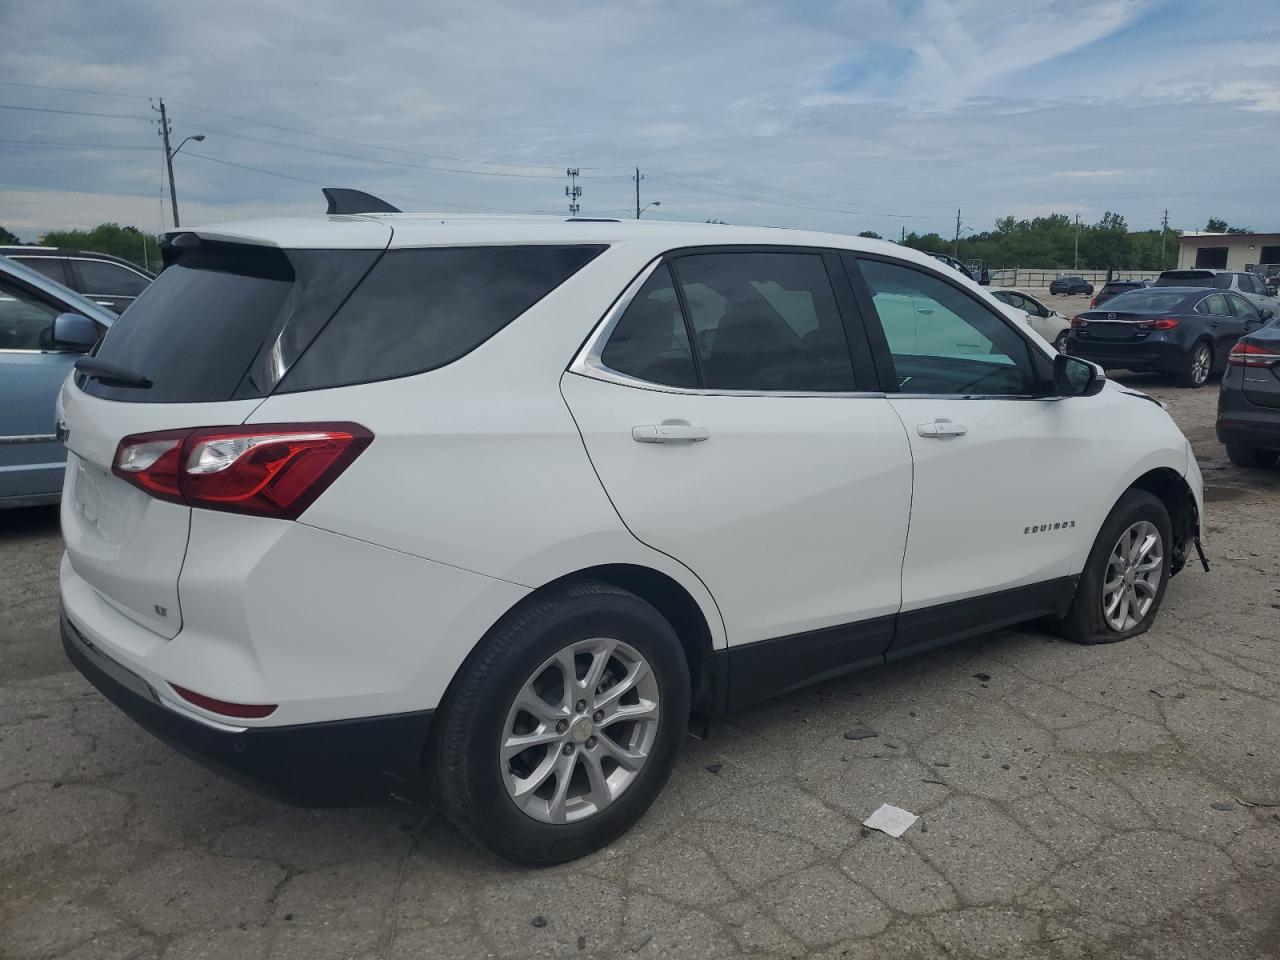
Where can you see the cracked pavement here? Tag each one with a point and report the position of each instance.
(1115, 801)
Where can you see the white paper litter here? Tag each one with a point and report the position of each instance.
(890, 819)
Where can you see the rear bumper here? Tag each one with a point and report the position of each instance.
(1250, 429)
(1160, 355)
(335, 763)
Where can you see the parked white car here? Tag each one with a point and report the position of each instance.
(1043, 319)
(360, 504)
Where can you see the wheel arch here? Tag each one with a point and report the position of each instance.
(708, 676)
(1172, 489)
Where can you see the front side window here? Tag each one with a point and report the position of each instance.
(941, 340)
(26, 321)
(650, 341)
(104, 279)
(765, 321)
(1244, 308)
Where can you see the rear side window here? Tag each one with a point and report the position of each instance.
(51, 267)
(651, 342)
(420, 309)
(765, 321)
(1215, 305)
(110, 279)
(223, 321)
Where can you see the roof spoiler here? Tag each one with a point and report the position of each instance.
(342, 200)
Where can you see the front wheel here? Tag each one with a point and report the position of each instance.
(1124, 579)
(563, 726)
(1251, 457)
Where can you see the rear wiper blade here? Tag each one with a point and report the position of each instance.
(111, 373)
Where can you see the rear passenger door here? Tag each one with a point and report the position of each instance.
(108, 284)
(728, 405)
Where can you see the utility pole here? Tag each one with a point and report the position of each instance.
(1164, 232)
(168, 159)
(572, 191)
(904, 234)
(956, 252)
(638, 179)
(1077, 260)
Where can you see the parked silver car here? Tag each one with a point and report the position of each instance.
(44, 327)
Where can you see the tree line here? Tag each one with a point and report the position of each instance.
(1049, 242)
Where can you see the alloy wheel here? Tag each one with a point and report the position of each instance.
(580, 730)
(1200, 361)
(1134, 571)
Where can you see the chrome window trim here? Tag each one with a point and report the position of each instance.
(29, 438)
(4, 350)
(588, 362)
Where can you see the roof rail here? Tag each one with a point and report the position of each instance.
(592, 220)
(343, 200)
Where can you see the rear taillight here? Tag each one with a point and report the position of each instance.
(269, 470)
(1079, 322)
(1093, 303)
(1245, 354)
(1166, 323)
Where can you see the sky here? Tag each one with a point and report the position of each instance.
(876, 115)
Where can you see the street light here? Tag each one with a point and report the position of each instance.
(654, 203)
(168, 159)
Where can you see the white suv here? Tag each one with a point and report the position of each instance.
(361, 504)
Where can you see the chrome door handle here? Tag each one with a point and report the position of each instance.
(941, 428)
(669, 433)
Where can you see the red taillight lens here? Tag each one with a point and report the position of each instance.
(1245, 354)
(244, 711)
(1079, 322)
(1167, 323)
(1093, 302)
(270, 470)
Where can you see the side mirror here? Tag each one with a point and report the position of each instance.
(1267, 313)
(71, 331)
(1073, 377)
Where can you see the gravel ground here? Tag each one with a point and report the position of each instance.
(1077, 802)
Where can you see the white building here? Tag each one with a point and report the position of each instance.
(1227, 251)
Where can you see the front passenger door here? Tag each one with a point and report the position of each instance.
(1000, 466)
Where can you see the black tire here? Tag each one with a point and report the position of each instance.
(1060, 341)
(468, 774)
(1084, 622)
(1191, 375)
(1251, 457)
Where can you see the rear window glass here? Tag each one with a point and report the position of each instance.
(420, 309)
(1145, 301)
(223, 321)
(1185, 278)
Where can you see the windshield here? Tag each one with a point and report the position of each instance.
(1146, 301)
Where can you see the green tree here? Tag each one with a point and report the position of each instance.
(7, 237)
(128, 243)
(870, 235)
(1216, 225)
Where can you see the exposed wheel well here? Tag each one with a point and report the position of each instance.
(1172, 490)
(683, 613)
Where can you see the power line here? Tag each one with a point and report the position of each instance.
(78, 146)
(78, 113)
(95, 93)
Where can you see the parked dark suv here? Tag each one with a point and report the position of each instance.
(1113, 288)
(106, 280)
(1069, 285)
(1249, 285)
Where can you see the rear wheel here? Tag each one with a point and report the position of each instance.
(1060, 342)
(1124, 579)
(1251, 457)
(564, 725)
(1198, 364)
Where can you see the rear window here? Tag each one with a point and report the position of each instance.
(224, 321)
(423, 308)
(1145, 301)
(1185, 278)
